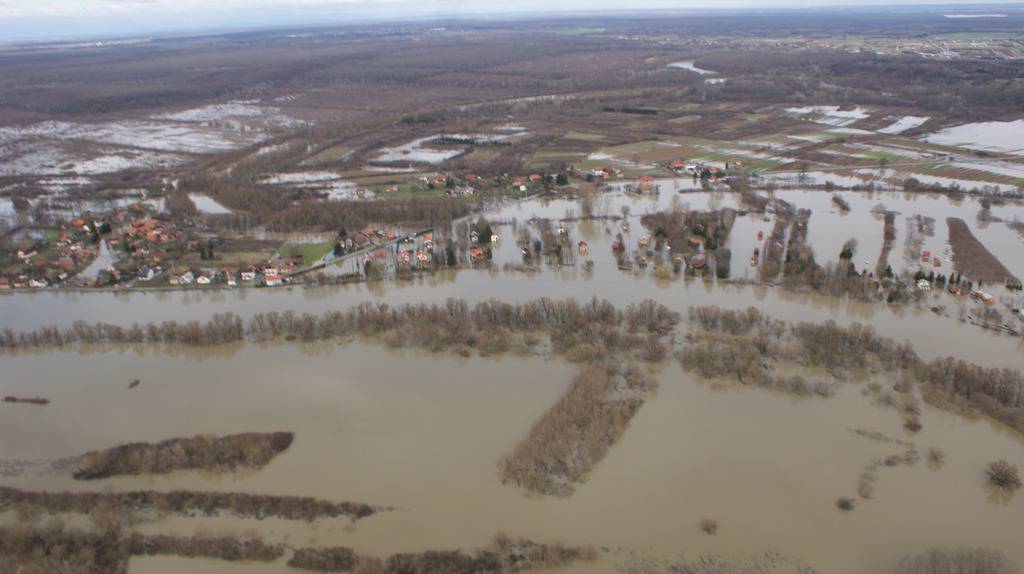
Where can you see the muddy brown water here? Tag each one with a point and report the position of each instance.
(424, 433)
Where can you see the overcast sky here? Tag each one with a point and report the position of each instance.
(39, 19)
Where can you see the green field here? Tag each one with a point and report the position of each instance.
(311, 252)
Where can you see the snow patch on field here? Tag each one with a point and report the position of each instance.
(301, 177)
(830, 115)
(48, 159)
(903, 124)
(240, 112)
(690, 67)
(69, 148)
(387, 169)
(133, 134)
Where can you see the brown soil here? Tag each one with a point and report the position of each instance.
(971, 258)
(248, 450)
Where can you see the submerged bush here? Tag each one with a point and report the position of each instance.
(1003, 475)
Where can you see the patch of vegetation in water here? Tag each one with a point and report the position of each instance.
(574, 435)
(183, 502)
(216, 454)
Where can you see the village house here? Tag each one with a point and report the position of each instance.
(271, 278)
(181, 277)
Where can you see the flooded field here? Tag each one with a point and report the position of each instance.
(424, 434)
(993, 136)
(206, 204)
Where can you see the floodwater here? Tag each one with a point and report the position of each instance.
(104, 260)
(424, 433)
(828, 230)
(207, 204)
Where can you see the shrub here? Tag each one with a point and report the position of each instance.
(1004, 475)
(846, 504)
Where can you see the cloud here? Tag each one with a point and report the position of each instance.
(22, 19)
